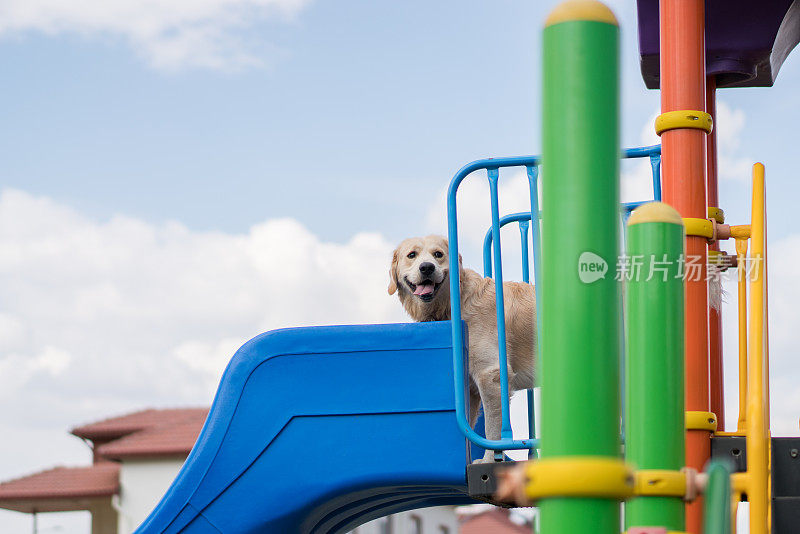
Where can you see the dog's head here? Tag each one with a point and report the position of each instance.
(420, 275)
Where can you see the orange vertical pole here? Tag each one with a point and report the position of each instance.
(717, 386)
(683, 84)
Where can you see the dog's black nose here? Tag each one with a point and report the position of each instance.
(427, 268)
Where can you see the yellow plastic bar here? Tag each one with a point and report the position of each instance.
(699, 227)
(701, 421)
(579, 476)
(659, 482)
(741, 253)
(757, 389)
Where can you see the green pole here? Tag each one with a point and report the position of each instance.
(580, 327)
(717, 503)
(654, 403)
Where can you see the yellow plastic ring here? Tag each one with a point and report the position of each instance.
(701, 421)
(579, 476)
(659, 482)
(699, 227)
(717, 214)
(684, 118)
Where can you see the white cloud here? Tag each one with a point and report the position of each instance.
(732, 165)
(102, 317)
(169, 35)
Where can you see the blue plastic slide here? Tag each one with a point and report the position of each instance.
(318, 430)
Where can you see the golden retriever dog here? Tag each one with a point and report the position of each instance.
(419, 275)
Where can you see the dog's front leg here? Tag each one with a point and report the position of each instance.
(488, 382)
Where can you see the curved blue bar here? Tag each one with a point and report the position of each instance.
(457, 326)
(487, 241)
(653, 152)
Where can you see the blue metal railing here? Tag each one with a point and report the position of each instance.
(492, 257)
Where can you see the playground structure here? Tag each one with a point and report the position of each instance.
(286, 446)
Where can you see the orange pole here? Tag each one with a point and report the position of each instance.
(683, 84)
(714, 316)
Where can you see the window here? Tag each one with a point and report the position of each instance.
(416, 524)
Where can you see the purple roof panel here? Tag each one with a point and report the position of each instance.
(746, 41)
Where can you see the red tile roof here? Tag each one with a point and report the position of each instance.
(94, 481)
(172, 439)
(117, 427)
(495, 521)
(148, 433)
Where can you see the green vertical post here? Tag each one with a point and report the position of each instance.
(717, 504)
(654, 367)
(580, 242)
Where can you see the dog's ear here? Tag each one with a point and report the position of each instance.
(460, 263)
(393, 274)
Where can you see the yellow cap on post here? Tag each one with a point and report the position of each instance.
(581, 10)
(655, 212)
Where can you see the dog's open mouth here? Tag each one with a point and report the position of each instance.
(425, 290)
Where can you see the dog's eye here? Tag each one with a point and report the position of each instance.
(438, 254)
(411, 255)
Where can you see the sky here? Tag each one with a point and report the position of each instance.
(177, 177)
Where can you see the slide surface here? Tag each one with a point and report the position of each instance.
(318, 430)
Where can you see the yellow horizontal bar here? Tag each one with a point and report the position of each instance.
(659, 482)
(579, 476)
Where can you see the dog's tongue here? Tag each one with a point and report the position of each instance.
(424, 289)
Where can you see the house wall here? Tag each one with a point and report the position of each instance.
(142, 484)
(436, 520)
